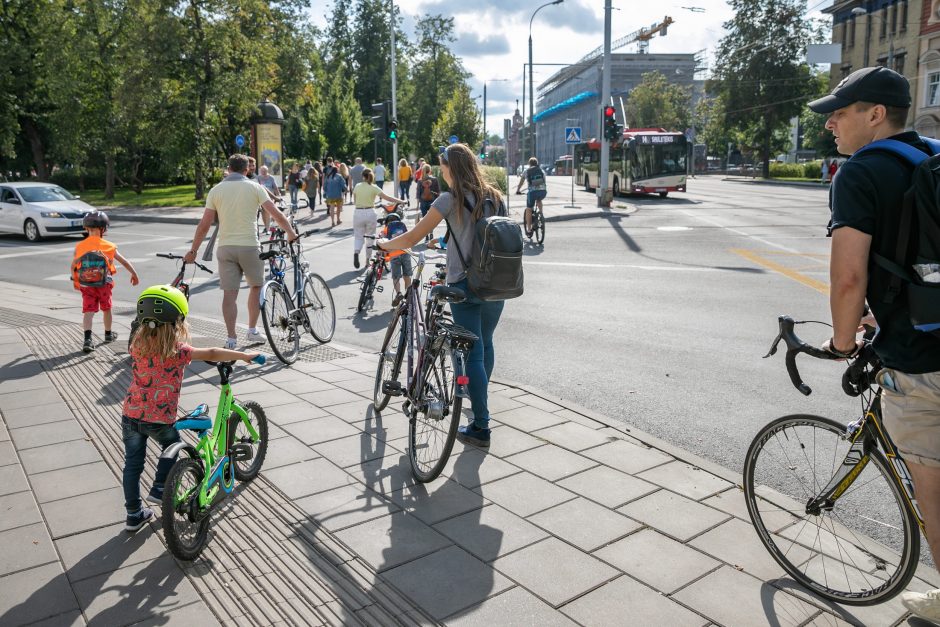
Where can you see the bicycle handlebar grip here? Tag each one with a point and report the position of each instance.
(260, 359)
(168, 256)
(794, 373)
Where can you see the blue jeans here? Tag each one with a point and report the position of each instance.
(135, 434)
(293, 189)
(404, 187)
(480, 318)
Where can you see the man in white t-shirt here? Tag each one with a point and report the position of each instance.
(379, 172)
(235, 202)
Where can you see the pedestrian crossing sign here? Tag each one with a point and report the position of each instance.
(573, 135)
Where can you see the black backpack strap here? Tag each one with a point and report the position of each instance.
(464, 260)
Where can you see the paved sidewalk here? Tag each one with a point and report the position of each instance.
(570, 518)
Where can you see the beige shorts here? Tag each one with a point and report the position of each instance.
(911, 412)
(237, 260)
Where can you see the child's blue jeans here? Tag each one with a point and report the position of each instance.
(135, 434)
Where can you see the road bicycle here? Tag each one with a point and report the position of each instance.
(286, 313)
(834, 503)
(538, 223)
(435, 372)
(375, 270)
(231, 447)
(269, 231)
(179, 282)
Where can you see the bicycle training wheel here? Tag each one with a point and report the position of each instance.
(321, 312)
(390, 358)
(279, 325)
(368, 285)
(249, 469)
(185, 536)
(861, 550)
(433, 419)
(539, 228)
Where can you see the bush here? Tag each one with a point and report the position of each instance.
(812, 169)
(493, 175)
(787, 170)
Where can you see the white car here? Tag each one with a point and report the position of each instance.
(39, 210)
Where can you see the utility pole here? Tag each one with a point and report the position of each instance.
(602, 199)
(394, 163)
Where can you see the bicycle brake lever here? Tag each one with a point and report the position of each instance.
(773, 347)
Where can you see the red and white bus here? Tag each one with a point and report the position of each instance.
(645, 161)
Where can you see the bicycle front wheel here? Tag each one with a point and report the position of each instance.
(321, 312)
(860, 549)
(186, 536)
(368, 285)
(434, 416)
(539, 227)
(279, 325)
(390, 358)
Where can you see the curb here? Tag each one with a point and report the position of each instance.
(136, 217)
(778, 183)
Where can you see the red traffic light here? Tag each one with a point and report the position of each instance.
(609, 111)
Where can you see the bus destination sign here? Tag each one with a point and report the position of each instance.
(656, 139)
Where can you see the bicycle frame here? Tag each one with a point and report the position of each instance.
(278, 269)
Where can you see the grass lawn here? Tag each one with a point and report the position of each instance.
(172, 196)
(795, 178)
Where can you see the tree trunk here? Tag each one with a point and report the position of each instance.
(137, 175)
(109, 176)
(765, 151)
(36, 147)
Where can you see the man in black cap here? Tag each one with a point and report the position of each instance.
(866, 198)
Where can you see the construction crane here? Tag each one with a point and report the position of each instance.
(641, 36)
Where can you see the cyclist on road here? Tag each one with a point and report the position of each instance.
(535, 177)
(866, 198)
(364, 220)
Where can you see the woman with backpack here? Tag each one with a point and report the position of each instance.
(468, 199)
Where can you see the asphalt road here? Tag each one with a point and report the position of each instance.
(658, 318)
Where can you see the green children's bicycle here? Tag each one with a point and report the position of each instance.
(231, 447)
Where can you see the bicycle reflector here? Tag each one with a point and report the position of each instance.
(463, 380)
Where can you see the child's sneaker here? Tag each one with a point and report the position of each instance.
(138, 520)
(474, 435)
(231, 343)
(87, 347)
(110, 336)
(155, 497)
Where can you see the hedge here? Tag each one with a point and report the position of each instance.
(492, 174)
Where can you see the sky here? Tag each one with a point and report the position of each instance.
(492, 36)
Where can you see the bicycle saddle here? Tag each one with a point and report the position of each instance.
(448, 294)
(195, 420)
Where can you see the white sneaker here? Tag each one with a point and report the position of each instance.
(255, 337)
(924, 605)
(231, 343)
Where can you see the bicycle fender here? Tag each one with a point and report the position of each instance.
(173, 450)
(240, 414)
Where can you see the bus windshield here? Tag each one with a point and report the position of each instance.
(650, 160)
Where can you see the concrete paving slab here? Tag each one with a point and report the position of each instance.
(359, 412)
(490, 532)
(38, 381)
(73, 618)
(298, 411)
(55, 456)
(437, 501)
(306, 478)
(270, 398)
(27, 399)
(4, 433)
(67, 482)
(107, 549)
(34, 594)
(627, 457)
(554, 571)
(25, 547)
(334, 396)
(736, 543)
(525, 494)
(607, 605)
(551, 462)
(686, 479)
(85, 512)
(390, 541)
(573, 436)
(52, 409)
(515, 608)
(17, 510)
(7, 454)
(193, 614)
(320, 430)
(755, 603)
(673, 514)
(656, 560)
(354, 449)
(459, 581)
(346, 506)
(522, 417)
(386, 475)
(41, 435)
(584, 524)
(12, 479)
(308, 385)
(531, 400)
(286, 451)
(509, 441)
(472, 467)
(609, 487)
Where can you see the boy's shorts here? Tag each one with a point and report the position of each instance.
(334, 202)
(401, 265)
(95, 298)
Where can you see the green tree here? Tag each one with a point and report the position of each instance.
(813, 125)
(460, 117)
(759, 73)
(657, 103)
(343, 128)
(335, 49)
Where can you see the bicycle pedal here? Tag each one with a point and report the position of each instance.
(241, 453)
(392, 388)
(379, 288)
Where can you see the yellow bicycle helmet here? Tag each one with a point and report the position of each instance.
(161, 304)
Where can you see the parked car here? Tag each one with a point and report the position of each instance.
(39, 210)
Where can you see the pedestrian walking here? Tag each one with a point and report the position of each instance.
(344, 172)
(294, 183)
(269, 183)
(379, 172)
(364, 220)
(405, 175)
(427, 191)
(866, 199)
(355, 172)
(311, 186)
(234, 203)
(462, 206)
(334, 189)
(319, 168)
(160, 352)
(93, 273)
(825, 170)
(833, 168)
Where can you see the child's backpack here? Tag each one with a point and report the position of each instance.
(91, 269)
(494, 265)
(920, 210)
(394, 226)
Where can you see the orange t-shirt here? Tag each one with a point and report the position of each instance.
(94, 243)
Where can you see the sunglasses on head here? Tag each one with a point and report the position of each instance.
(442, 153)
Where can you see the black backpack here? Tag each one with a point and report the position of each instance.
(921, 207)
(494, 265)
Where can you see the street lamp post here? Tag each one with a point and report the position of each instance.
(492, 80)
(859, 11)
(531, 90)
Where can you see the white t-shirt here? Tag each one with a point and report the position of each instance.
(236, 199)
(379, 172)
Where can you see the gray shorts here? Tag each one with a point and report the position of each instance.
(401, 265)
(237, 260)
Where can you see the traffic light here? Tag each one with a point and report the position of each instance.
(393, 130)
(612, 130)
(380, 118)
(483, 152)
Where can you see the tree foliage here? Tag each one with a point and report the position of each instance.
(656, 102)
(460, 117)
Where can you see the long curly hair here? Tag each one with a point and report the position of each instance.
(160, 341)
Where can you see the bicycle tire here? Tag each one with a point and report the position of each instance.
(431, 439)
(539, 228)
(389, 364)
(368, 284)
(279, 325)
(175, 518)
(259, 446)
(775, 490)
(321, 311)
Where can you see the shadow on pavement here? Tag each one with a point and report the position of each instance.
(777, 586)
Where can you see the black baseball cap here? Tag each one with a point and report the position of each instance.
(877, 85)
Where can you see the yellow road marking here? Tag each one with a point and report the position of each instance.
(819, 286)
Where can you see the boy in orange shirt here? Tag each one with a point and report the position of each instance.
(92, 271)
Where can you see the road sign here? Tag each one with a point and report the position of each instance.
(572, 134)
(239, 141)
(453, 139)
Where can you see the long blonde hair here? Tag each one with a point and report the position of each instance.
(466, 178)
(161, 341)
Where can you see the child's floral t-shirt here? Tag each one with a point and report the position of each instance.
(154, 393)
